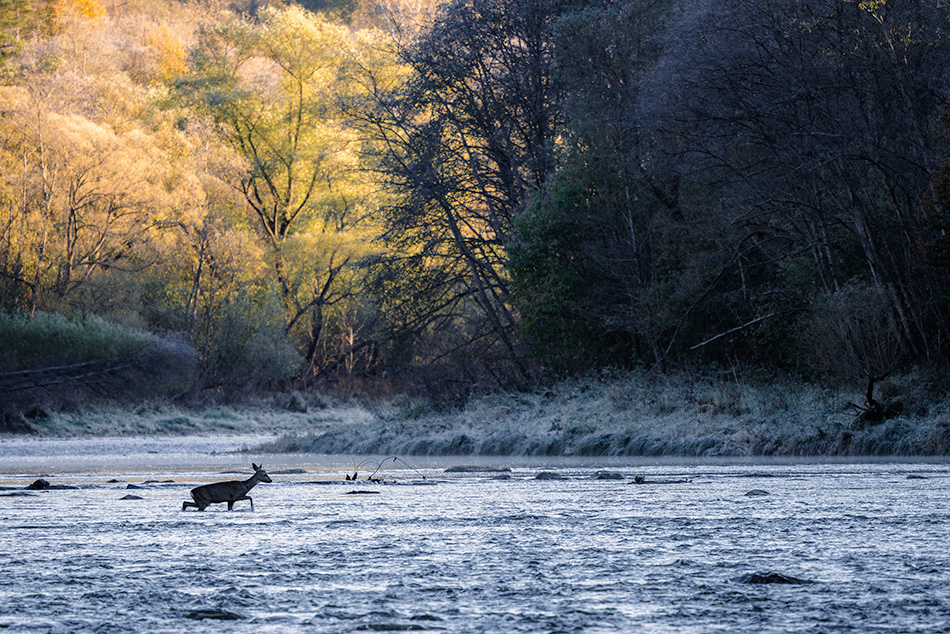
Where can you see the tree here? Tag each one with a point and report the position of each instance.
(935, 221)
(807, 125)
(14, 16)
(53, 15)
(569, 267)
(583, 260)
(272, 88)
(464, 142)
(86, 200)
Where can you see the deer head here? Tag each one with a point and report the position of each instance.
(261, 474)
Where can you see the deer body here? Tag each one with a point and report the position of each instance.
(229, 492)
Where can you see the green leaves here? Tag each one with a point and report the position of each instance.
(13, 21)
(572, 279)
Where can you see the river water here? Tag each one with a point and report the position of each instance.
(427, 550)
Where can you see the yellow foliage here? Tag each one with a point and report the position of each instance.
(170, 55)
(86, 8)
(53, 14)
(107, 180)
(872, 5)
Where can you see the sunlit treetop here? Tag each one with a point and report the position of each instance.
(171, 58)
(52, 15)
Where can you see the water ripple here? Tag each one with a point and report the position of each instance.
(473, 554)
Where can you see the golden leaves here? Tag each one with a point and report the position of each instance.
(170, 55)
(54, 14)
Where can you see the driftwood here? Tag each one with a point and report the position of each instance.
(642, 480)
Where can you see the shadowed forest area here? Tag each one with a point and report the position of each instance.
(204, 201)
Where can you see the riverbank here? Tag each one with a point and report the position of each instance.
(630, 415)
(261, 416)
(622, 414)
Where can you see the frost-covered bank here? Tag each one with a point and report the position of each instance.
(270, 417)
(633, 416)
(616, 415)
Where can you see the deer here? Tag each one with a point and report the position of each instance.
(230, 491)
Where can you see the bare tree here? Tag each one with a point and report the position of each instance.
(463, 145)
(809, 126)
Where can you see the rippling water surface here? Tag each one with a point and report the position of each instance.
(468, 552)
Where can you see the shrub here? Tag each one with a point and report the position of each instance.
(49, 358)
(246, 350)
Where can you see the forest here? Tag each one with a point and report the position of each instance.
(212, 198)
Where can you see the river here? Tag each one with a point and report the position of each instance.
(473, 551)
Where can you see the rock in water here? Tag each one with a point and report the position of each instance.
(549, 475)
(39, 485)
(771, 577)
(756, 493)
(477, 469)
(608, 475)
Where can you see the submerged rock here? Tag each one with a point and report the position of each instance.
(771, 577)
(218, 615)
(131, 497)
(476, 469)
(756, 493)
(608, 475)
(549, 475)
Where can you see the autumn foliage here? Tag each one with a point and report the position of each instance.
(482, 192)
(53, 15)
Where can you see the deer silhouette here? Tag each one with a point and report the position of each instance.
(229, 492)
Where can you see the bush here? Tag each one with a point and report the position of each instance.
(49, 358)
(246, 350)
(572, 275)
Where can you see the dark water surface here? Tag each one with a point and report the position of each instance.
(467, 552)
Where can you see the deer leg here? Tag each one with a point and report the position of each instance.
(230, 505)
(246, 497)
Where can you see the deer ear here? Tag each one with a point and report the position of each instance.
(256, 468)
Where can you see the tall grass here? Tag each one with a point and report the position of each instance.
(49, 359)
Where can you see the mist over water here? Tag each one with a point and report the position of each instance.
(466, 552)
